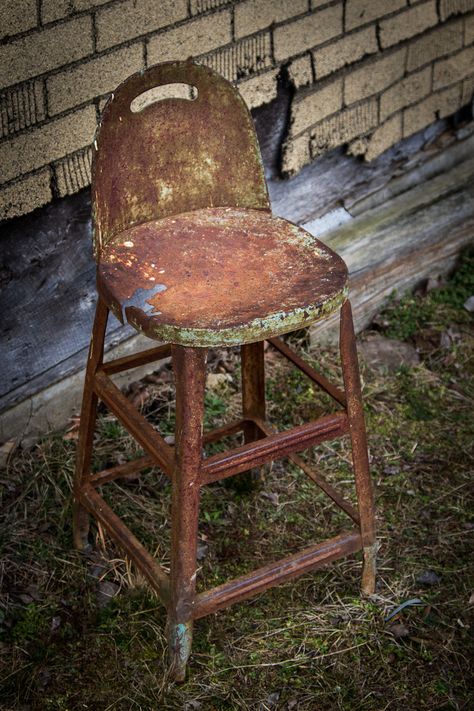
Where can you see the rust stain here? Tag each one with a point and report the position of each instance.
(174, 155)
(220, 275)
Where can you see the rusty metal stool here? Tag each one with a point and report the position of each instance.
(189, 253)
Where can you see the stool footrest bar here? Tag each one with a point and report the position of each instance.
(313, 374)
(225, 431)
(122, 470)
(118, 365)
(313, 474)
(154, 573)
(276, 573)
(144, 433)
(274, 446)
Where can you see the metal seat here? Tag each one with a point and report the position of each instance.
(189, 254)
(232, 277)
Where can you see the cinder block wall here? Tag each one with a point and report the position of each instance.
(365, 72)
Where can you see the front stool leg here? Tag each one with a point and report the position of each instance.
(360, 457)
(87, 424)
(189, 365)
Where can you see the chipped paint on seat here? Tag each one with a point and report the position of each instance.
(220, 276)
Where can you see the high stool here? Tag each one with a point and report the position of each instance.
(189, 254)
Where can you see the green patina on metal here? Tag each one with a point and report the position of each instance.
(220, 276)
(181, 640)
(259, 329)
(173, 155)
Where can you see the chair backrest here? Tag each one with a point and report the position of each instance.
(176, 154)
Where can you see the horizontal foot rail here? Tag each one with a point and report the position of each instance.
(275, 573)
(275, 446)
(313, 374)
(318, 479)
(121, 470)
(224, 431)
(144, 433)
(154, 573)
(134, 361)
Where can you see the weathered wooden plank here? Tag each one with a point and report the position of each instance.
(394, 246)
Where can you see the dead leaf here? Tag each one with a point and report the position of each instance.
(216, 380)
(399, 630)
(72, 432)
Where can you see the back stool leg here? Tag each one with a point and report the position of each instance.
(253, 398)
(86, 426)
(360, 458)
(189, 366)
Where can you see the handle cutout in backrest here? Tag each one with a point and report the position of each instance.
(176, 90)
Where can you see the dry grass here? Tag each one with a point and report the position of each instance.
(309, 645)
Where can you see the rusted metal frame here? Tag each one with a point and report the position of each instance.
(144, 433)
(275, 446)
(360, 457)
(134, 361)
(136, 465)
(154, 573)
(121, 470)
(224, 431)
(87, 424)
(318, 479)
(253, 394)
(275, 573)
(308, 370)
(189, 366)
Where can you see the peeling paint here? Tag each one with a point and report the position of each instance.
(232, 276)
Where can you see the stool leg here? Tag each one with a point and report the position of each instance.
(253, 397)
(360, 458)
(189, 366)
(86, 426)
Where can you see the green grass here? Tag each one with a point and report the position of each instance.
(310, 645)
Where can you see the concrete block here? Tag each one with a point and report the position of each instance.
(344, 127)
(443, 40)
(47, 143)
(360, 12)
(447, 8)
(374, 76)
(384, 137)
(311, 106)
(254, 15)
(198, 6)
(240, 59)
(469, 30)
(467, 91)
(44, 50)
(296, 154)
(307, 32)
(73, 173)
(192, 39)
(92, 78)
(17, 16)
(120, 22)
(345, 51)
(21, 107)
(439, 105)
(458, 66)
(405, 92)
(300, 71)
(260, 89)
(408, 23)
(52, 10)
(25, 195)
